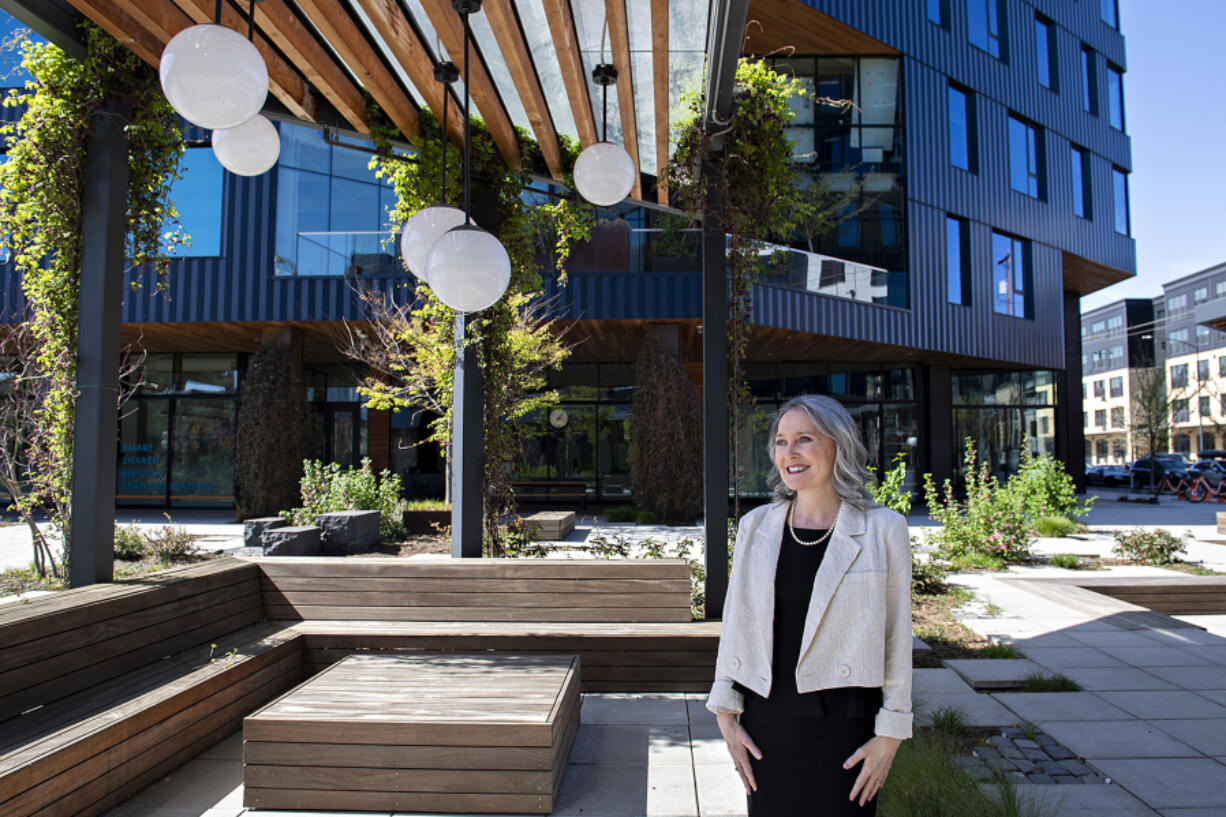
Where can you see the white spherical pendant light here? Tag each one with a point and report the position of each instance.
(213, 76)
(604, 173)
(425, 227)
(468, 269)
(250, 149)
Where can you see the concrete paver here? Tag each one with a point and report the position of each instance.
(1156, 705)
(994, 673)
(1159, 656)
(1059, 658)
(1125, 738)
(1123, 678)
(1170, 782)
(1083, 801)
(937, 681)
(1205, 735)
(1191, 677)
(1039, 707)
(976, 709)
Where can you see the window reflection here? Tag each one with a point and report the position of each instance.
(197, 196)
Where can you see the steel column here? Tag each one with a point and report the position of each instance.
(467, 450)
(1070, 435)
(96, 433)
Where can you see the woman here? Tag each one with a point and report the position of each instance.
(815, 651)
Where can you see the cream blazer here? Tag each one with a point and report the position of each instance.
(858, 628)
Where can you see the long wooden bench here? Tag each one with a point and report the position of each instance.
(105, 689)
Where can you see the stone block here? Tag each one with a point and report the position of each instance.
(554, 525)
(346, 532)
(1221, 522)
(292, 541)
(254, 529)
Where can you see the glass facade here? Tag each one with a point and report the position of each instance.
(938, 12)
(1001, 410)
(961, 129)
(1119, 190)
(1045, 52)
(1026, 163)
(197, 196)
(957, 260)
(1089, 81)
(985, 26)
(1115, 96)
(1011, 276)
(1080, 163)
(331, 210)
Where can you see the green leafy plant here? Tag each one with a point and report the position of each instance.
(927, 576)
(990, 526)
(949, 719)
(521, 538)
(1030, 730)
(1056, 682)
(426, 505)
(887, 488)
(129, 543)
(42, 184)
(1055, 526)
(1068, 561)
(645, 518)
(1150, 547)
(1046, 489)
(331, 488)
(998, 650)
(171, 543)
(271, 432)
(621, 513)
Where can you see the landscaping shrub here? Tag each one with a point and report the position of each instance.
(329, 488)
(1068, 561)
(927, 576)
(1049, 683)
(129, 543)
(665, 436)
(1055, 526)
(170, 543)
(998, 650)
(887, 488)
(1150, 547)
(270, 434)
(622, 513)
(991, 522)
(949, 720)
(1045, 488)
(520, 538)
(645, 518)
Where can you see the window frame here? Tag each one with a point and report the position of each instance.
(1089, 80)
(1045, 33)
(1082, 182)
(1115, 97)
(1116, 387)
(965, 291)
(970, 130)
(993, 10)
(1036, 162)
(1026, 290)
(1119, 177)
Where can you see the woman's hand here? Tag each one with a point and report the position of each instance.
(740, 745)
(878, 756)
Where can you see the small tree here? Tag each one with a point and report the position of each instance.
(271, 437)
(1151, 410)
(665, 461)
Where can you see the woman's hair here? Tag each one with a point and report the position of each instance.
(850, 474)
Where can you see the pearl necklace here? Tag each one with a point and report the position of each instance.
(823, 537)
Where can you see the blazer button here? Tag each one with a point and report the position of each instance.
(844, 671)
(736, 663)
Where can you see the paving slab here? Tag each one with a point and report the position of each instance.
(1107, 738)
(1170, 782)
(994, 673)
(937, 681)
(1213, 654)
(1215, 695)
(976, 709)
(696, 708)
(1037, 707)
(1090, 800)
(671, 791)
(1062, 657)
(1205, 735)
(1159, 656)
(203, 783)
(711, 751)
(610, 791)
(1126, 678)
(1190, 812)
(1111, 638)
(1164, 704)
(720, 791)
(656, 709)
(1182, 637)
(1191, 677)
(1045, 640)
(627, 744)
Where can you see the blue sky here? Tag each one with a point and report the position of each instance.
(1175, 108)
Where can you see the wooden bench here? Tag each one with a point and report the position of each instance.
(105, 689)
(1132, 603)
(454, 733)
(551, 489)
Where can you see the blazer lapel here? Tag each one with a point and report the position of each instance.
(767, 539)
(840, 553)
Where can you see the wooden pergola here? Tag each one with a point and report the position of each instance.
(531, 67)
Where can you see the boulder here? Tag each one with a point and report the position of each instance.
(292, 541)
(253, 529)
(346, 532)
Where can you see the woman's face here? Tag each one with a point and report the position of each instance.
(803, 455)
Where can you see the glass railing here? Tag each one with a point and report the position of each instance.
(339, 253)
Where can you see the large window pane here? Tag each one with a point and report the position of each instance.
(1024, 163)
(1109, 11)
(304, 148)
(302, 221)
(984, 25)
(197, 197)
(202, 468)
(1089, 82)
(1080, 170)
(1115, 96)
(144, 451)
(1010, 276)
(1043, 52)
(959, 129)
(957, 262)
(936, 11)
(1119, 188)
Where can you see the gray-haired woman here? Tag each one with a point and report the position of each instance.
(813, 675)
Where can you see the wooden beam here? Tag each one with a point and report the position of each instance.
(566, 44)
(450, 29)
(341, 32)
(523, 72)
(804, 30)
(165, 20)
(408, 49)
(659, 68)
(120, 25)
(619, 40)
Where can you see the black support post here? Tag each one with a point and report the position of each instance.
(1070, 435)
(467, 450)
(95, 439)
(715, 436)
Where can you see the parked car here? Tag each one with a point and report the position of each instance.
(1212, 470)
(1108, 475)
(1149, 471)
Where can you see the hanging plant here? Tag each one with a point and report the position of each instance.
(41, 190)
(410, 349)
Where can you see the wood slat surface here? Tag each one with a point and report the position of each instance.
(491, 599)
(476, 586)
(312, 567)
(313, 800)
(473, 614)
(619, 42)
(470, 780)
(566, 44)
(396, 757)
(660, 81)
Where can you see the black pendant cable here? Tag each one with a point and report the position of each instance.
(604, 75)
(446, 73)
(465, 8)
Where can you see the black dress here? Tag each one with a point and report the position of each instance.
(804, 737)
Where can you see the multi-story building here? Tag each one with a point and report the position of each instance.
(990, 139)
(1194, 358)
(1117, 348)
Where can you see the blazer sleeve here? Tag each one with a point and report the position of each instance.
(723, 697)
(895, 718)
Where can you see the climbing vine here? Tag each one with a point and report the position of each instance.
(410, 350)
(764, 201)
(41, 189)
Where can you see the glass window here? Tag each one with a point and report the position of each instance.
(1115, 355)
(1201, 294)
(1179, 376)
(1119, 189)
(1115, 322)
(1222, 404)
(985, 26)
(957, 260)
(1115, 96)
(1099, 389)
(304, 148)
(202, 467)
(1204, 406)
(1098, 326)
(1221, 368)
(1178, 302)
(1117, 417)
(938, 12)
(1109, 11)
(1081, 182)
(207, 374)
(1011, 276)
(302, 222)
(144, 453)
(1045, 52)
(1183, 442)
(1100, 418)
(1117, 387)
(197, 195)
(1089, 81)
(1202, 370)
(1085, 420)
(1219, 288)
(12, 75)
(961, 129)
(1025, 162)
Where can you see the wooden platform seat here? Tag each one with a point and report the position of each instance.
(1132, 603)
(456, 733)
(105, 689)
